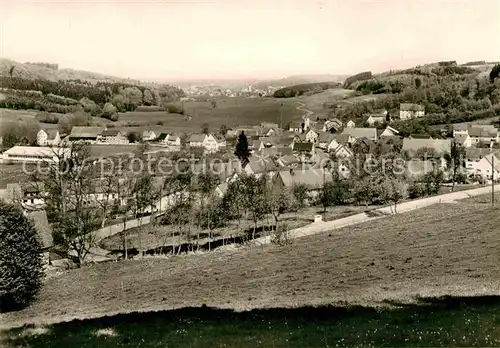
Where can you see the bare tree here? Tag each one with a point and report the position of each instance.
(68, 187)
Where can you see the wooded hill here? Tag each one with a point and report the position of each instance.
(42, 86)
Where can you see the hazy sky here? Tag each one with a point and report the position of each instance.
(253, 38)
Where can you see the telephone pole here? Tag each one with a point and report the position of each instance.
(281, 116)
(492, 180)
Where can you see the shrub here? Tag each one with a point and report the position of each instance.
(20, 260)
(45, 117)
(281, 236)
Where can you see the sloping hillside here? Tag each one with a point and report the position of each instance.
(44, 72)
(448, 248)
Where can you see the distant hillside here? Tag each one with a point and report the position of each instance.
(51, 72)
(450, 93)
(305, 89)
(45, 87)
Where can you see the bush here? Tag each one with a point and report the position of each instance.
(45, 117)
(280, 236)
(173, 109)
(20, 260)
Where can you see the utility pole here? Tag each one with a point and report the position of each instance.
(324, 194)
(281, 116)
(492, 180)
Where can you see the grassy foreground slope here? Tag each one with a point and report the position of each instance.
(447, 249)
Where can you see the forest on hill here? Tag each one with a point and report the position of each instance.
(450, 94)
(23, 87)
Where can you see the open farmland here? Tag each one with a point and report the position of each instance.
(443, 249)
(315, 102)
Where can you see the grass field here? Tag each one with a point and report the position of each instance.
(229, 111)
(315, 102)
(446, 249)
(434, 322)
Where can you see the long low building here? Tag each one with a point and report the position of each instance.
(34, 154)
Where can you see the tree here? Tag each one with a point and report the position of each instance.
(64, 125)
(70, 188)
(109, 112)
(280, 203)
(148, 98)
(133, 137)
(242, 151)
(299, 192)
(455, 160)
(205, 128)
(223, 130)
(495, 72)
(213, 103)
(207, 182)
(394, 190)
(20, 259)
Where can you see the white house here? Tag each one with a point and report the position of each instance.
(408, 111)
(149, 135)
(462, 140)
(173, 140)
(486, 167)
(374, 119)
(112, 136)
(295, 127)
(350, 124)
(460, 129)
(311, 136)
(206, 141)
(334, 124)
(48, 137)
(342, 151)
(33, 154)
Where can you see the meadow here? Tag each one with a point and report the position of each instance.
(385, 280)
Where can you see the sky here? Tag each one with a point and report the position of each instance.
(157, 40)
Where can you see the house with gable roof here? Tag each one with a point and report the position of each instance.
(48, 137)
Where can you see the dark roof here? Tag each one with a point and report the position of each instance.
(162, 136)
(303, 147)
(110, 132)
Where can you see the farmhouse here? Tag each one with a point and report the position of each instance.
(488, 166)
(312, 179)
(87, 134)
(295, 127)
(206, 141)
(311, 136)
(333, 125)
(374, 119)
(149, 135)
(460, 129)
(462, 140)
(48, 137)
(355, 133)
(427, 148)
(112, 136)
(20, 154)
(408, 111)
(483, 133)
